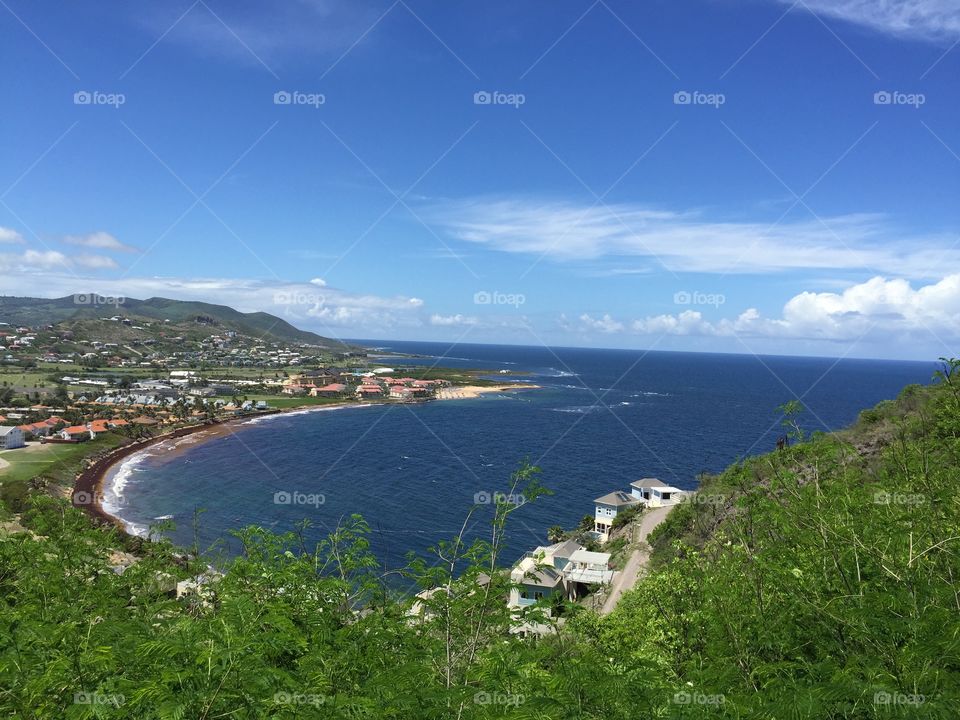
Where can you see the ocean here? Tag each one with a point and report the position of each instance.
(601, 419)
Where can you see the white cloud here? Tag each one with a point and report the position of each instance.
(457, 320)
(99, 241)
(689, 242)
(928, 19)
(31, 261)
(879, 308)
(605, 324)
(303, 304)
(10, 236)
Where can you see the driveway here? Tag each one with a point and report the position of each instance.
(627, 578)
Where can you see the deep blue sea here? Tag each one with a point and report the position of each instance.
(601, 419)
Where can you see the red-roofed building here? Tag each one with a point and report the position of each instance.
(331, 390)
(78, 433)
(369, 391)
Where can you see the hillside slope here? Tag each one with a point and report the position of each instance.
(41, 311)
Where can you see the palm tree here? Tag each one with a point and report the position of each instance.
(556, 534)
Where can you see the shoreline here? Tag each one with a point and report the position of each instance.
(89, 484)
(92, 479)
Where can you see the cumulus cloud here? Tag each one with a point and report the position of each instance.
(99, 241)
(687, 241)
(927, 19)
(10, 236)
(880, 307)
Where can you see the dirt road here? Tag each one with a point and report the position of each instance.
(627, 578)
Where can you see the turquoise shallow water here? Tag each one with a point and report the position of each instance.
(602, 419)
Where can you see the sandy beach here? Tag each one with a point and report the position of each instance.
(467, 392)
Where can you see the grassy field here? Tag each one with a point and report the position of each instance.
(54, 462)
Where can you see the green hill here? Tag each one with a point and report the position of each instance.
(35, 312)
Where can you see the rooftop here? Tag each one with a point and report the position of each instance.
(617, 498)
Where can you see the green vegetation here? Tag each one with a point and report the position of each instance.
(50, 465)
(820, 581)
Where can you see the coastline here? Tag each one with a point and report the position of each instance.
(88, 488)
(87, 494)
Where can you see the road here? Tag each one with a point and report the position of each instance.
(627, 578)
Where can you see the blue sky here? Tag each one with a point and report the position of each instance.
(760, 176)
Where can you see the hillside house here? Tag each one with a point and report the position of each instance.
(656, 493)
(606, 509)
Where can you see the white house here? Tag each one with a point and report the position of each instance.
(564, 569)
(656, 493)
(10, 437)
(606, 510)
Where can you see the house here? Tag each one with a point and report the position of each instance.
(368, 391)
(77, 433)
(656, 493)
(564, 569)
(10, 437)
(98, 426)
(401, 392)
(606, 509)
(331, 390)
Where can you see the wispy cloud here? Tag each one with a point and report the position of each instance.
(38, 260)
(688, 241)
(924, 19)
(252, 32)
(100, 241)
